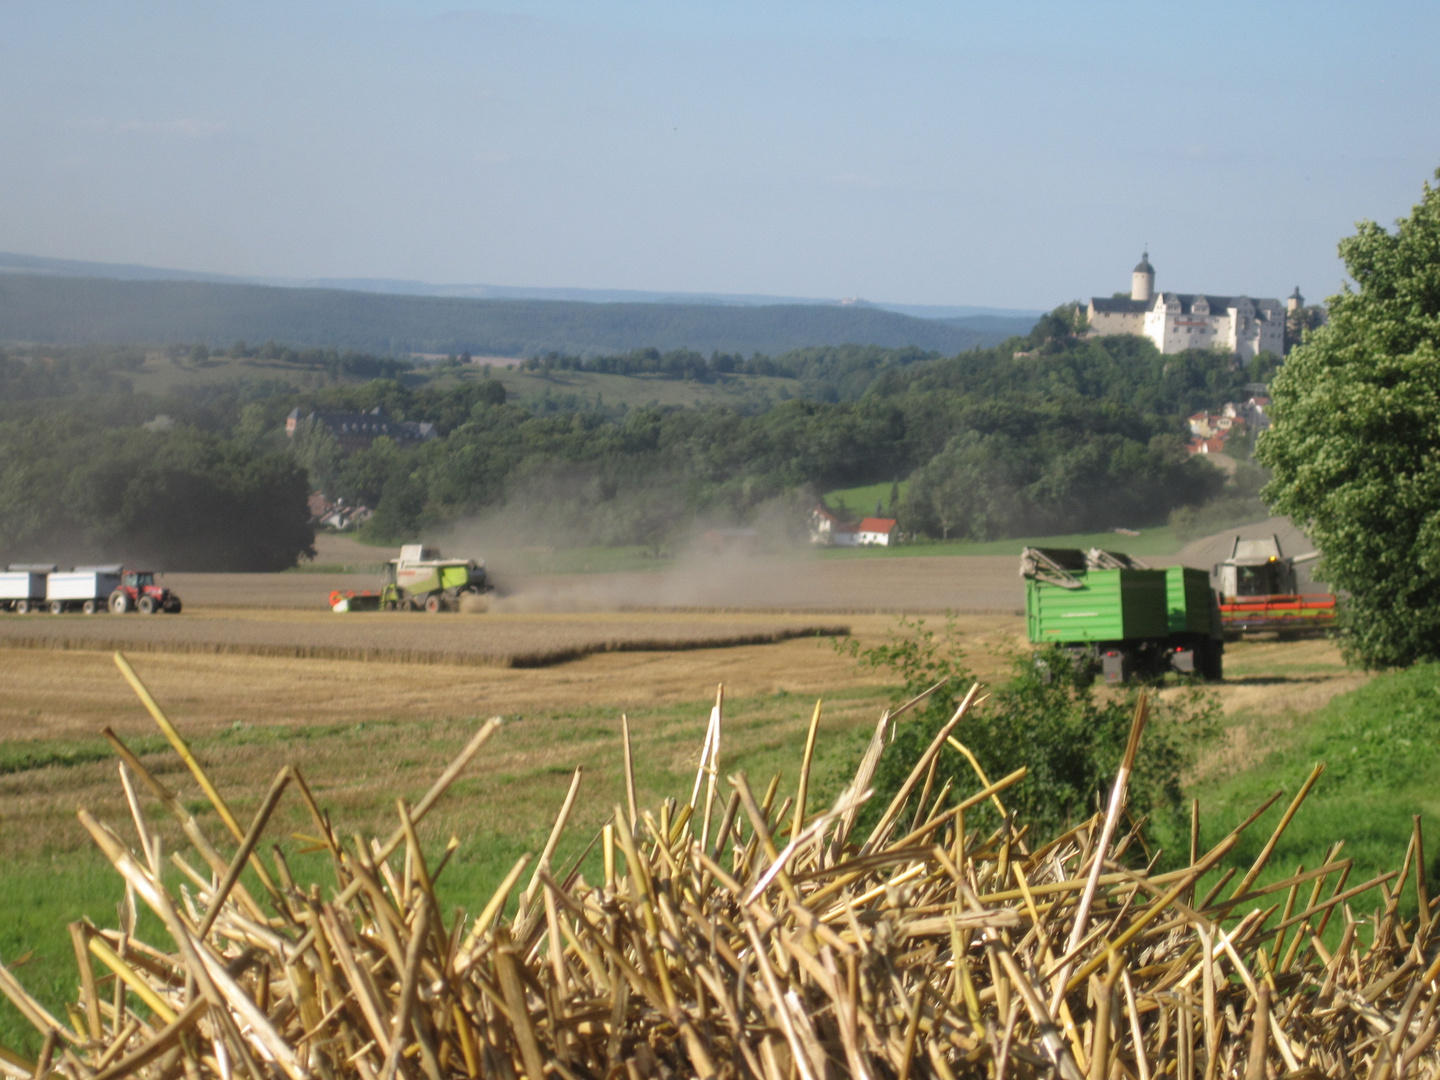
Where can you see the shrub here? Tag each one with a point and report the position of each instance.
(1068, 732)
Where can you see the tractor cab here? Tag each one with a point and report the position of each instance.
(137, 579)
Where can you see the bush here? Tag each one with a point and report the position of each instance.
(1070, 734)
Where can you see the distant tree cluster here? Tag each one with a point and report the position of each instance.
(1050, 432)
(176, 499)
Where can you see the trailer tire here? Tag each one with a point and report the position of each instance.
(146, 605)
(56, 607)
(22, 607)
(119, 602)
(434, 603)
(89, 607)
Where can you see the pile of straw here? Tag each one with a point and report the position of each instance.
(739, 933)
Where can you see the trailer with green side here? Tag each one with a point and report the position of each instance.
(1112, 613)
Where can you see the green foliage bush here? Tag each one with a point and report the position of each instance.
(1046, 717)
(1356, 440)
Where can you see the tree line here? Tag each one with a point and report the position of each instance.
(1048, 433)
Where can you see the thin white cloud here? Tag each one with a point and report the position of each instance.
(188, 127)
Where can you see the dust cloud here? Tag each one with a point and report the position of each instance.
(710, 564)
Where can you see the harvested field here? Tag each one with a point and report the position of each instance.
(985, 584)
(492, 640)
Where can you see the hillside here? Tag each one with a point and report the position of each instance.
(60, 310)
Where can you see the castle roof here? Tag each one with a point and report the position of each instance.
(1119, 305)
(1143, 266)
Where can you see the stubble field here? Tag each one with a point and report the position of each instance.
(371, 707)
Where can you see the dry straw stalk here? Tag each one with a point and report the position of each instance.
(759, 940)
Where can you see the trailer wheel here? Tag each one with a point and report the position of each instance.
(56, 607)
(22, 607)
(434, 603)
(119, 602)
(89, 607)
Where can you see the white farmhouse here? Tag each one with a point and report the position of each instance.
(1176, 322)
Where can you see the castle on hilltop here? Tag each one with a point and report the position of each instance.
(1176, 322)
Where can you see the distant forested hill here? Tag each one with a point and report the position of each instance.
(36, 308)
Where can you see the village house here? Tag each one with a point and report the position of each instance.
(357, 430)
(829, 529)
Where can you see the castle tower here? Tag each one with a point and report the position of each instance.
(1294, 302)
(1142, 281)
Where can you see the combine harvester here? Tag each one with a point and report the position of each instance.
(420, 580)
(1258, 593)
(1111, 612)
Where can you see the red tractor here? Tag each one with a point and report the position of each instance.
(137, 591)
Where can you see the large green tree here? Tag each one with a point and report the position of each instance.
(1356, 444)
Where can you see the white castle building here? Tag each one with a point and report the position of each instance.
(1179, 321)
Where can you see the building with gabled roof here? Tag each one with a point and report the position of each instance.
(1176, 322)
(357, 430)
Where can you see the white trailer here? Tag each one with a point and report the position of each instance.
(22, 587)
(87, 588)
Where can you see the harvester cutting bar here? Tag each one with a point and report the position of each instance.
(350, 600)
(1312, 613)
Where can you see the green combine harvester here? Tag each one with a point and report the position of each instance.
(1112, 613)
(421, 579)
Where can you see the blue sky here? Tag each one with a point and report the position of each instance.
(1011, 155)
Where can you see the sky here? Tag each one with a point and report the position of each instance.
(990, 154)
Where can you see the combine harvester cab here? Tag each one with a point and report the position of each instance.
(22, 587)
(420, 580)
(1258, 593)
(1111, 612)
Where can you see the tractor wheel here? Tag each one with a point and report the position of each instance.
(434, 603)
(22, 607)
(146, 605)
(119, 602)
(89, 607)
(56, 607)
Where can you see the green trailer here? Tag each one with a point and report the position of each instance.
(1111, 612)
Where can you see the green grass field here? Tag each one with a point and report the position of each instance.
(1381, 748)
(861, 501)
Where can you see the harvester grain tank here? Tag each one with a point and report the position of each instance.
(421, 579)
(1258, 592)
(1112, 612)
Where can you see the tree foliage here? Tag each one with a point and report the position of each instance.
(177, 499)
(1355, 448)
